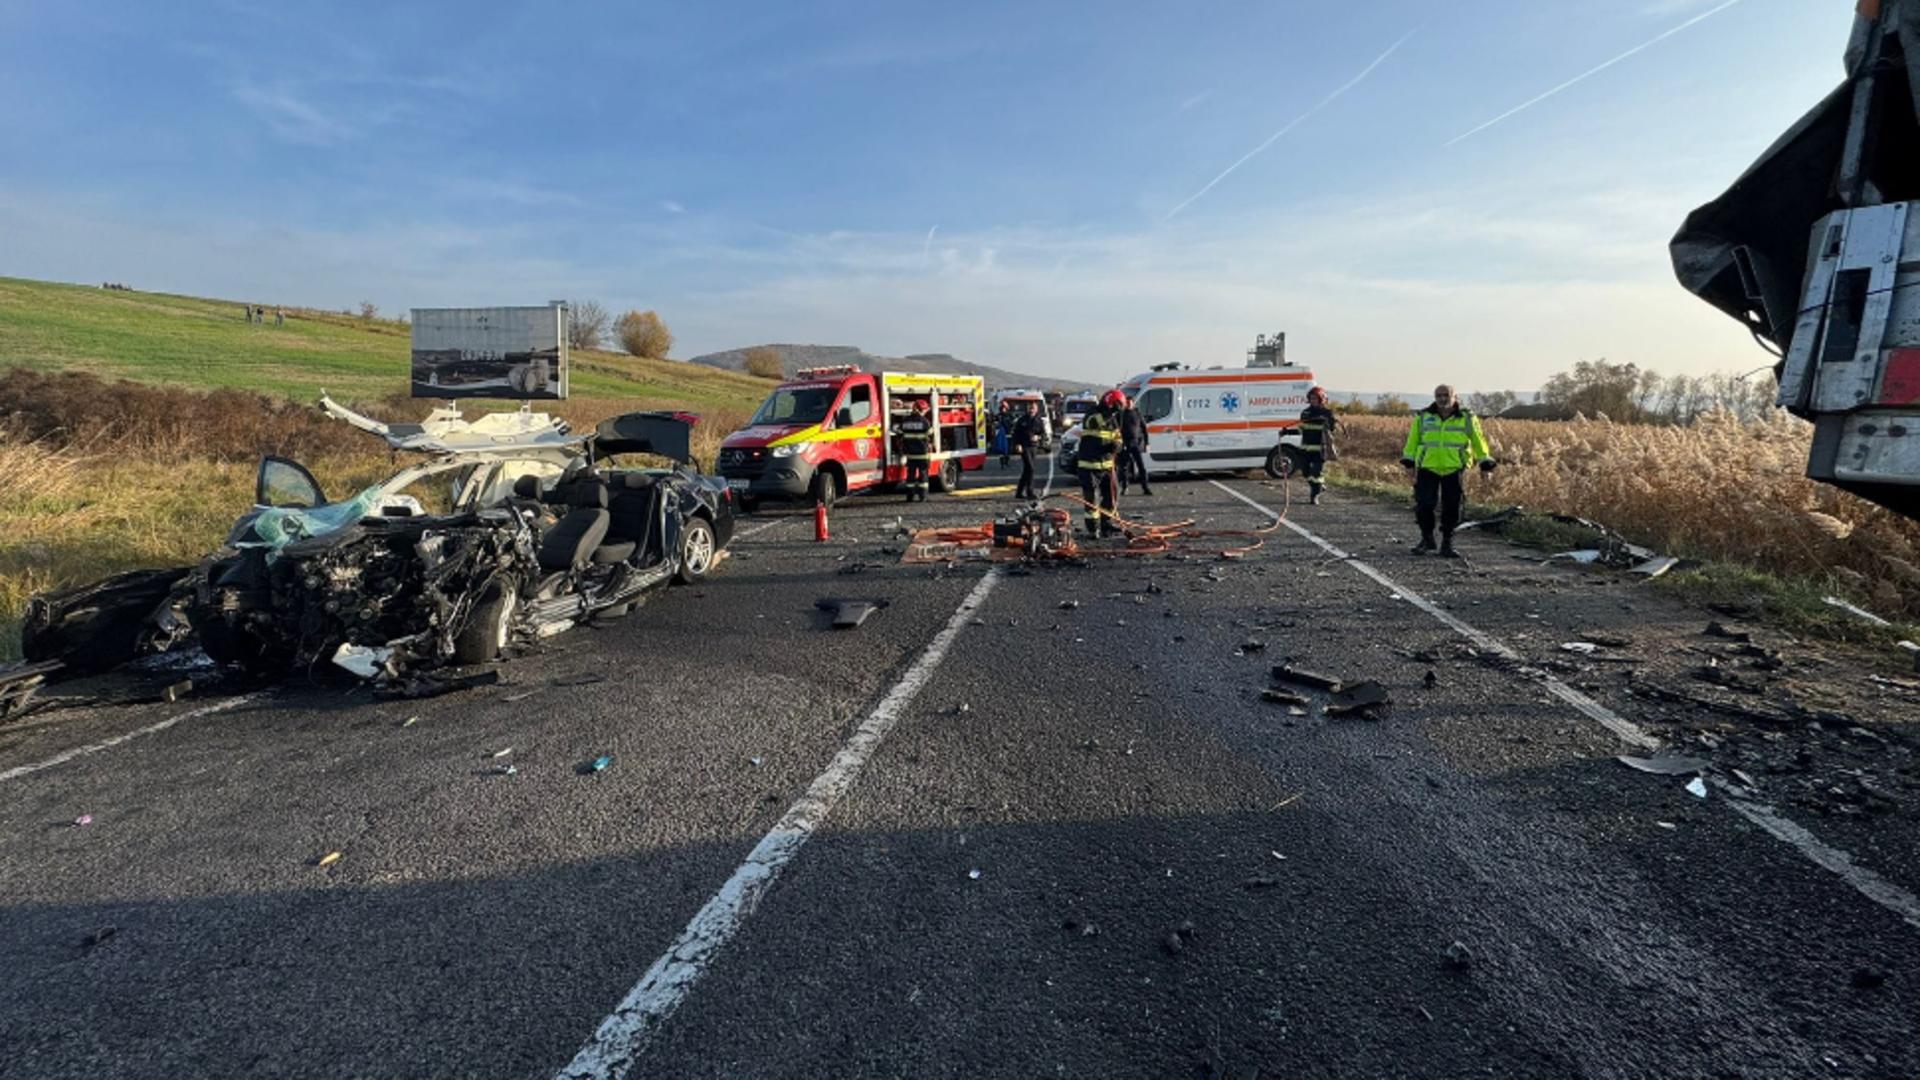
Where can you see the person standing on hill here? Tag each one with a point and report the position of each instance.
(1317, 425)
(1443, 443)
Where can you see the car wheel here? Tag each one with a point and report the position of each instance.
(1279, 465)
(489, 625)
(824, 490)
(948, 479)
(698, 550)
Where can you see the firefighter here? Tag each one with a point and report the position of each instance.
(1133, 448)
(1317, 425)
(1099, 440)
(1026, 436)
(1003, 421)
(916, 445)
(1444, 442)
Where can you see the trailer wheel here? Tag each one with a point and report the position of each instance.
(948, 479)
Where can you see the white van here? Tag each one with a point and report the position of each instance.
(1214, 419)
(1018, 400)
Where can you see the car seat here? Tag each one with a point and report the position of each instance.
(636, 512)
(576, 539)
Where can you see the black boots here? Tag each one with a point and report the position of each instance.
(1313, 494)
(1425, 546)
(1446, 547)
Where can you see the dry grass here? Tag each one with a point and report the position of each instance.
(97, 477)
(1717, 489)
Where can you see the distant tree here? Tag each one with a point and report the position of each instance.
(1491, 402)
(587, 324)
(1595, 388)
(642, 333)
(1390, 405)
(369, 310)
(1355, 406)
(764, 361)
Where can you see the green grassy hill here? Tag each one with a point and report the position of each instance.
(193, 342)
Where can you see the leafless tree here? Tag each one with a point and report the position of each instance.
(587, 324)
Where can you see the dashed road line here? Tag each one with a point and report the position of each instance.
(624, 1033)
(742, 534)
(1842, 865)
(62, 758)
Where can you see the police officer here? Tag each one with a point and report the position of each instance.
(916, 445)
(1025, 437)
(1317, 425)
(1133, 447)
(1444, 442)
(1094, 457)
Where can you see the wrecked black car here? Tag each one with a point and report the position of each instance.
(536, 529)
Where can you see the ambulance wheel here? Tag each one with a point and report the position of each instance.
(1279, 465)
(948, 478)
(823, 490)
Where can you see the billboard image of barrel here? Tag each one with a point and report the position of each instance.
(519, 353)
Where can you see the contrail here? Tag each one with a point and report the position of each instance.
(926, 249)
(1582, 77)
(1295, 122)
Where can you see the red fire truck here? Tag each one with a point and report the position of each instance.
(829, 432)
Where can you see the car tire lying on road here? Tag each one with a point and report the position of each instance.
(697, 551)
(489, 624)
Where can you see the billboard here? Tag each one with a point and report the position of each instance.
(498, 352)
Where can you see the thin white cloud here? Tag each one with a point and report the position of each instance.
(290, 117)
(1196, 100)
(1294, 123)
(672, 207)
(1591, 72)
(926, 248)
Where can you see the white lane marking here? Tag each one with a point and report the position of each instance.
(1842, 865)
(1626, 729)
(62, 758)
(741, 534)
(1869, 884)
(624, 1033)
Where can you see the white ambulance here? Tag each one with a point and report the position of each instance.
(1214, 418)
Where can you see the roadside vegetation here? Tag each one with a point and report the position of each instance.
(1728, 493)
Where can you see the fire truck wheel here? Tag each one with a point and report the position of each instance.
(824, 489)
(948, 479)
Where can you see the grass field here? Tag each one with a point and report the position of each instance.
(208, 344)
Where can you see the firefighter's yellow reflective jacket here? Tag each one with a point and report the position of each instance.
(1099, 439)
(1445, 444)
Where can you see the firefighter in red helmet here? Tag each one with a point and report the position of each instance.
(1317, 425)
(1094, 458)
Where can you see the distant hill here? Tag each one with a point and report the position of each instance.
(795, 357)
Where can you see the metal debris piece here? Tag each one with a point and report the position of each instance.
(1358, 699)
(973, 874)
(1697, 788)
(426, 686)
(329, 858)
(409, 721)
(849, 613)
(1069, 605)
(599, 764)
(1664, 764)
(1584, 648)
(20, 682)
(1457, 956)
(177, 691)
(1253, 646)
(1855, 611)
(1303, 677)
(83, 820)
(1284, 697)
(502, 752)
(1656, 566)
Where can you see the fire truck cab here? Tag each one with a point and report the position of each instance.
(829, 432)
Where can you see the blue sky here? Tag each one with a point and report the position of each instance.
(994, 180)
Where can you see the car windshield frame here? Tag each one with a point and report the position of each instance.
(828, 392)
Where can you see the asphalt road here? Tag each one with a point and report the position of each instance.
(1059, 833)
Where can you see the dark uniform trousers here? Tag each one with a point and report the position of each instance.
(1433, 490)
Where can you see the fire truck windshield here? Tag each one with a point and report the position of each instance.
(796, 405)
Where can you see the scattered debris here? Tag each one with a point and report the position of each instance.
(1457, 956)
(1357, 700)
(1252, 646)
(1868, 977)
(409, 721)
(1697, 788)
(364, 661)
(1584, 648)
(83, 819)
(1284, 697)
(1721, 630)
(1069, 605)
(177, 691)
(19, 683)
(501, 753)
(598, 765)
(416, 687)
(523, 695)
(1303, 677)
(850, 613)
(1665, 764)
(96, 938)
(506, 770)
(973, 874)
(329, 858)
(1429, 680)
(1656, 566)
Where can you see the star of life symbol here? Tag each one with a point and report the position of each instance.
(1229, 401)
